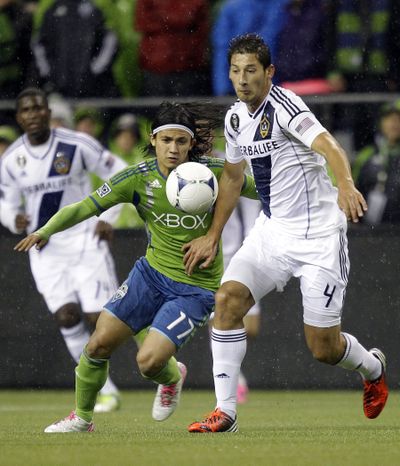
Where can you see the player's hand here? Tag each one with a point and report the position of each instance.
(352, 202)
(22, 221)
(104, 231)
(25, 244)
(203, 249)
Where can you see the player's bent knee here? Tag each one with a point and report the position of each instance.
(232, 302)
(327, 354)
(99, 348)
(325, 344)
(149, 364)
(68, 315)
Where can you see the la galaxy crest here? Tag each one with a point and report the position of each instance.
(264, 129)
(61, 163)
(264, 126)
(235, 122)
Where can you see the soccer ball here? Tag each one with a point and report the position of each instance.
(192, 187)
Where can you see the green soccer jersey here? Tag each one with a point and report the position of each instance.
(167, 227)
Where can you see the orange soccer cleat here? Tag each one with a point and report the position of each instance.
(217, 421)
(376, 392)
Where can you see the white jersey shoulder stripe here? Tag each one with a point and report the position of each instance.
(285, 101)
(78, 137)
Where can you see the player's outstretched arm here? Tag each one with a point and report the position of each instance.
(350, 200)
(204, 249)
(25, 244)
(65, 218)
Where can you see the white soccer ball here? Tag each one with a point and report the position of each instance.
(192, 187)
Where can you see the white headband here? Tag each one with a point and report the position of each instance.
(173, 126)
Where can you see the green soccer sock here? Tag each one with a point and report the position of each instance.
(90, 376)
(140, 336)
(168, 375)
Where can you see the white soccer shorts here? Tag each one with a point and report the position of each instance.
(236, 229)
(269, 258)
(85, 276)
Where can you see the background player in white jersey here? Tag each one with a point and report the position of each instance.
(301, 233)
(41, 172)
(158, 303)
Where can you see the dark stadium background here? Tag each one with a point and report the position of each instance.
(34, 354)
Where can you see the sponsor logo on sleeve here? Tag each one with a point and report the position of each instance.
(103, 190)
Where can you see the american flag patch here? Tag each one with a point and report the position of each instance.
(304, 125)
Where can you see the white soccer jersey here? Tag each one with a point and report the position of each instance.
(40, 180)
(292, 182)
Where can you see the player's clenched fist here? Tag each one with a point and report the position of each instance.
(25, 244)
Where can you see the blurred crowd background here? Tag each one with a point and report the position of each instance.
(119, 50)
(107, 64)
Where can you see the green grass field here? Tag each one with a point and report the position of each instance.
(275, 428)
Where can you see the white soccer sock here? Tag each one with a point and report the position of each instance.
(357, 358)
(76, 339)
(228, 349)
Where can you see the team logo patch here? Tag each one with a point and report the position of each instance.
(103, 190)
(235, 122)
(120, 293)
(264, 126)
(21, 160)
(61, 163)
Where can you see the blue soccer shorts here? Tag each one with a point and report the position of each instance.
(149, 298)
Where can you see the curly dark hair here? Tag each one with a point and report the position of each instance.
(250, 43)
(201, 118)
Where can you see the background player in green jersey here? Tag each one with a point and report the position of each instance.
(158, 303)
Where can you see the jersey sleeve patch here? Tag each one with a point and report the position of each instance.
(103, 190)
(304, 125)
